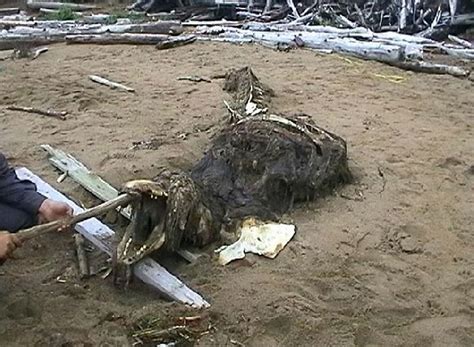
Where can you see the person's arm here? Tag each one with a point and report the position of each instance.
(18, 193)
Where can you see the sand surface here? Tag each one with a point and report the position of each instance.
(387, 260)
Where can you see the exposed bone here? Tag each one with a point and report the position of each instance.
(50, 113)
(110, 84)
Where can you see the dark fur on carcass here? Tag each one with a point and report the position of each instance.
(257, 166)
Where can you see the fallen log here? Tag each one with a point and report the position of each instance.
(114, 39)
(50, 113)
(460, 41)
(113, 85)
(36, 5)
(101, 236)
(13, 42)
(176, 42)
(426, 67)
(9, 11)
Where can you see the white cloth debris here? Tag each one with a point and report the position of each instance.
(266, 239)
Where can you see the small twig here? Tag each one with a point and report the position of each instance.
(50, 113)
(113, 85)
(82, 261)
(194, 79)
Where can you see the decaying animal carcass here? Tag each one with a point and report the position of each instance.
(257, 166)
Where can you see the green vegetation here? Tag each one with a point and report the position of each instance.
(64, 13)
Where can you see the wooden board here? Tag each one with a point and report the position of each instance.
(148, 270)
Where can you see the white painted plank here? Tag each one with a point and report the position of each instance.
(148, 270)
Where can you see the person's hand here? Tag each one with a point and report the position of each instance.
(51, 210)
(8, 243)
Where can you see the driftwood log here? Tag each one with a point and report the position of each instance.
(114, 39)
(36, 5)
(396, 49)
(176, 42)
(9, 11)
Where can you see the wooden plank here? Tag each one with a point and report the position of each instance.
(148, 270)
(82, 175)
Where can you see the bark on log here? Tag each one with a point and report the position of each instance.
(114, 39)
(36, 5)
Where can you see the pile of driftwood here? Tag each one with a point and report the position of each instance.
(426, 17)
(349, 28)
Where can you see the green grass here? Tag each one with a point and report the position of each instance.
(64, 13)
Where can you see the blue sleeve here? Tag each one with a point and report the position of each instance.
(21, 194)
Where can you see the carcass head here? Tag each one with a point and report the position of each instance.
(146, 232)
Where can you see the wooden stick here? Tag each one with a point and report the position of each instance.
(82, 260)
(194, 79)
(56, 114)
(38, 230)
(110, 84)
